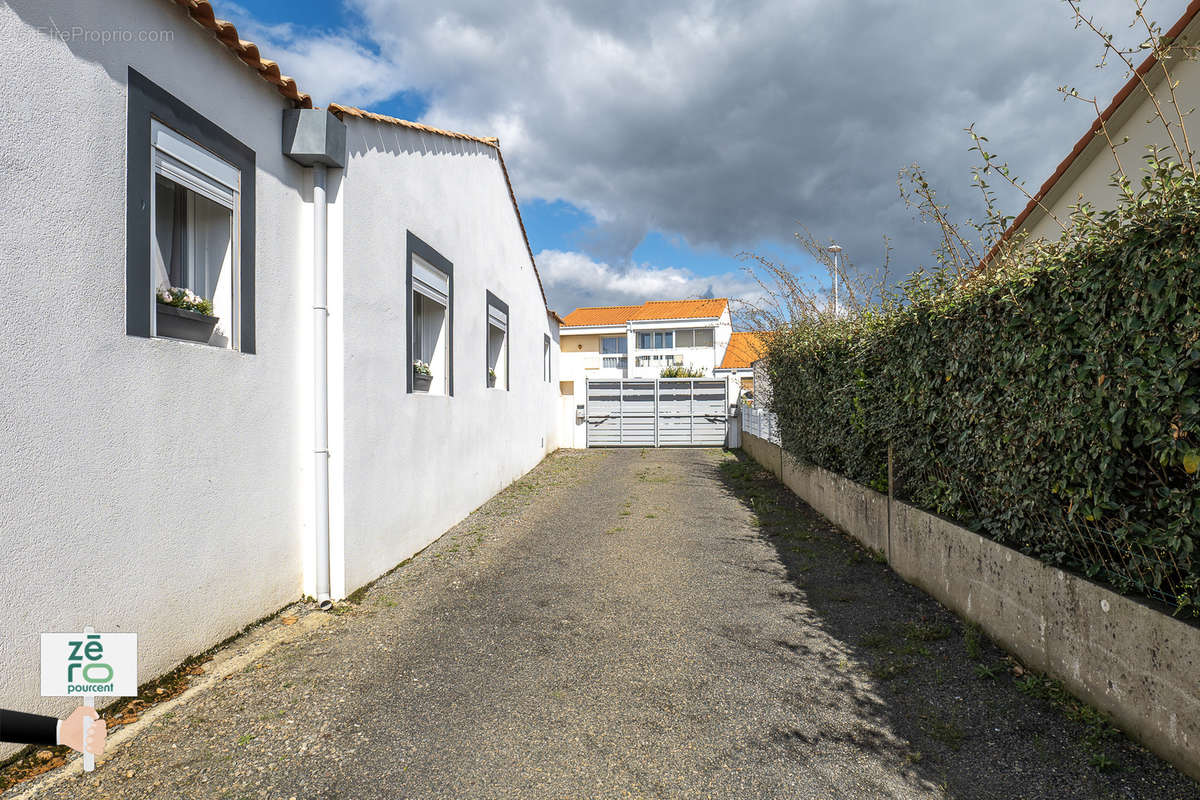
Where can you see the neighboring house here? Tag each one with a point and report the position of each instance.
(178, 479)
(745, 347)
(637, 342)
(1086, 173)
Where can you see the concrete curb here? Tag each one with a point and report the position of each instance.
(235, 656)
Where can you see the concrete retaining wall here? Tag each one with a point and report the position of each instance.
(1132, 661)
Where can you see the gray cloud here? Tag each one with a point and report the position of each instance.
(727, 123)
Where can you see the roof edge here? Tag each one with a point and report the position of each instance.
(341, 112)
(1088, 137)
(202, 14)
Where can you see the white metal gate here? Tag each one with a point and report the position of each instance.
(656, 412)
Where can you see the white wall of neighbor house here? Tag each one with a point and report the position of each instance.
(151, 486)
(1090, 176)
(583, 359)
(416, 464)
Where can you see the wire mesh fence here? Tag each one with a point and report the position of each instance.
(1111, 551)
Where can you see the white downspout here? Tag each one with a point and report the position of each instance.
(321, 380)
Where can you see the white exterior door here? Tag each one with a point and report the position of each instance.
(665, 412)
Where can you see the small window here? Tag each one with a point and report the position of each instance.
(497, 342)
(683, 338)
(190, 225)
(546, 357)
(704, 337)
(566, 388)
(431, 320)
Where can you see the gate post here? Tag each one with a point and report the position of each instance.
(656, 412)
(691, 412)
(620, 412)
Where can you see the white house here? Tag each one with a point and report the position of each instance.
(637, 342)
(434, 266)
(1086, 173)
(180, 478)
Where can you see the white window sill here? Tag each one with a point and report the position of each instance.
(171, 341)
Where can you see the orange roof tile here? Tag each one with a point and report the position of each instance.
(342, 112)
(654, 309)
(202, 13)
(745, 347)
(683, 309)
(600, 315)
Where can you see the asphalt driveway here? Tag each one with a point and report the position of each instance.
(634, 624)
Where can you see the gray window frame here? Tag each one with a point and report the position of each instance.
(434, 258)
(148, 101)
(492, 300)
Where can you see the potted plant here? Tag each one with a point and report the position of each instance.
(182, 314)
(491, 377)
(422, 376)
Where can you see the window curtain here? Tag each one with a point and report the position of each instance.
(170, 225)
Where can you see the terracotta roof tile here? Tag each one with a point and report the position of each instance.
(654, 309)
(341, 112)
(202, 14)
(683, 309)
(600, 315)
(745, 347)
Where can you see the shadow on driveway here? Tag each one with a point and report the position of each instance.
(965, 716)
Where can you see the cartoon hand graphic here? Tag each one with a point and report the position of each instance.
(71, 733)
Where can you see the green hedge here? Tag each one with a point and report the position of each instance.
(1053, 405)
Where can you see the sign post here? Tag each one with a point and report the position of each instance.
(89, 664)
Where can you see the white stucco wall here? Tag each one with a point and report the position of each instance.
(1090, 175)
(149, 485)
(416, 464)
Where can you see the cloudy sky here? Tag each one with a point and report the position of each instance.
(651, 144)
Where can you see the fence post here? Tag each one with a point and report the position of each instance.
(891, 502)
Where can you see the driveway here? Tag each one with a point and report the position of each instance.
(635, 624)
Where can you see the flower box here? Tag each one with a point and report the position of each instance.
(421, 382)
(178, 323)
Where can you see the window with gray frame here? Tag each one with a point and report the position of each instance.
(189, 224)
(497, 342)
(430, 282)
